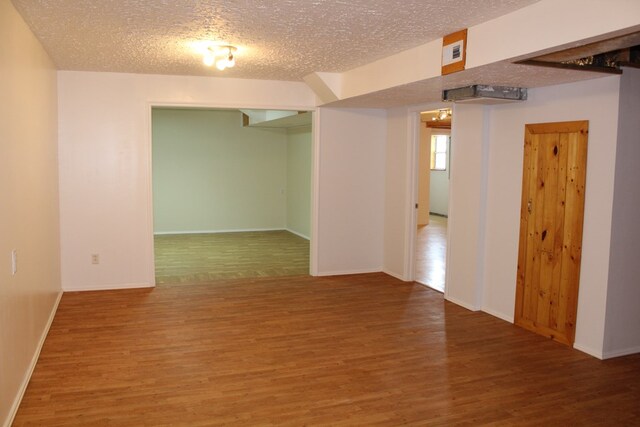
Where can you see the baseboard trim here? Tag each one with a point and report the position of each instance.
(621, 352)
(34, 360)
(234, 230)
(499, 315)
(439, 214)
(297, 234)
(460, 303)
(396, 275)
(111, 287)
(347, 272)
(590, 351)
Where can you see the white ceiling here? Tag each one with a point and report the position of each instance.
(277, 39)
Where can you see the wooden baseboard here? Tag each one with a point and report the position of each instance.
(32, 364)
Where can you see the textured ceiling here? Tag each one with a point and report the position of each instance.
(277, 39)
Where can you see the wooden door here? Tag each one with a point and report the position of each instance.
(551, 217)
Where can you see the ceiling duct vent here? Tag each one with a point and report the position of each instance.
(484, 94)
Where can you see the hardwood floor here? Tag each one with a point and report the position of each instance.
(192, 258)
(360, 350)
(431, 253)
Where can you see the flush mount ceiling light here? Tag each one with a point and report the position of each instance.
(220, 56)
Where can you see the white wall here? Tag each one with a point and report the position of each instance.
(467, 205)
(350, 190)
(439, 185)
(211, 174)
(398, 197)
(622, 328)
(105, 156)
(596, 101)
(299, 147)
(29, 217)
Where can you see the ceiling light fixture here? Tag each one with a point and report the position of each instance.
(443, 114)
(220, 56)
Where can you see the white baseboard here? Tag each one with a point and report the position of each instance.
(347, 272)
(396, 275)
(590, 351)
(244, 230)
(505, 317)
(109, 287)
(460, 303)
(297, 234)
(32, 365)
(621, 352)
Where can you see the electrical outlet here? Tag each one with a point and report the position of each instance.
(14, 262)
(95, 259)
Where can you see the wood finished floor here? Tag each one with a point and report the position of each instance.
(193, 258)
(362, 350)
(431, 253)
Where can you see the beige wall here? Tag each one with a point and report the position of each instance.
(29, 208)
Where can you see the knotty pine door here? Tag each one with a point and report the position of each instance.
(551, 217)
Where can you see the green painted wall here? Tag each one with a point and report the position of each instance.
(212, 174)
(299, 181)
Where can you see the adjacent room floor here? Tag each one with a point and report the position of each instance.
(431, 252)
(197, 258)
(359, 350)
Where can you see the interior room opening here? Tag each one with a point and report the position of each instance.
(433, 198)
(231, 193)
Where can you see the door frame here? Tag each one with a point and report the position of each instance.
(567, 253)
(411, 219)
(148, 137)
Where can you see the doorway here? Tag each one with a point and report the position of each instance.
(231, 193)
(433, 172)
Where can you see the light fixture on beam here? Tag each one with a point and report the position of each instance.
(443, 114)
(221, 56)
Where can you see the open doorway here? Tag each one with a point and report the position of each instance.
(433, 198)
(231, 193)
